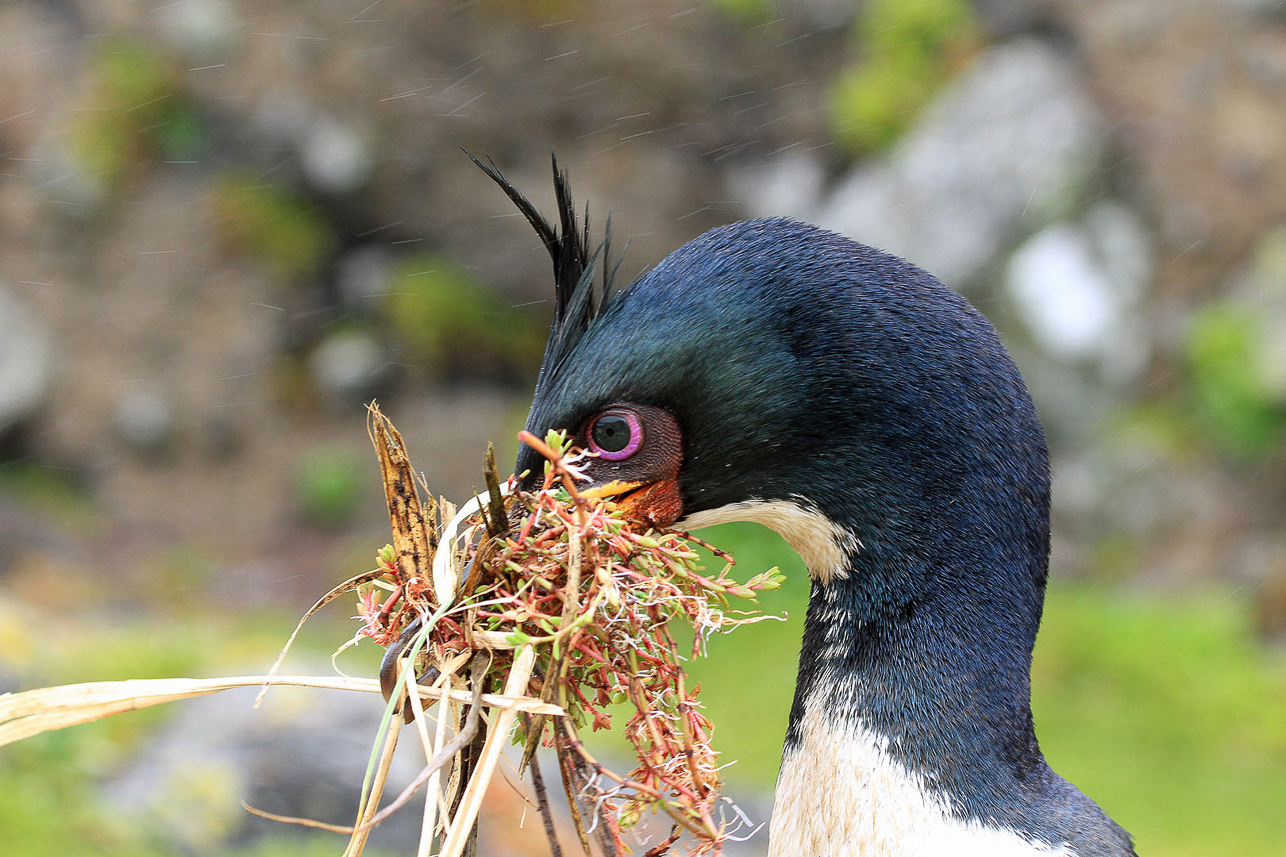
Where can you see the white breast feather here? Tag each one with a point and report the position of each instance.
(841, 794)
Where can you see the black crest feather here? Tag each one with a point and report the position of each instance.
(575, 303)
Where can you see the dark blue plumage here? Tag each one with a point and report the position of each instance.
(803, 368)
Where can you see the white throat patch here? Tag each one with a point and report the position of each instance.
(823, 545)
(841, 794)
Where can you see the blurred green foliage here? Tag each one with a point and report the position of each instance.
(1169, 713)
(907, 50)
(50, 782)
(50, 802)
(135, 111)
(47, 491)
(1115, 557)
(180, 574)
(451, 323)
(1225, 362)
(1163, 426)
(273, 224)
(329, 485)
(746, 11)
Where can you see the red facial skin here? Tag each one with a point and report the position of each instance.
(658, 504)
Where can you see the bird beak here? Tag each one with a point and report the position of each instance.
(657, 504)
(615, 488)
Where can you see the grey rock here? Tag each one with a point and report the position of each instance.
(1071, 401)
(1006, 149)
(807, 15)
(26, 362)
(302, 753)
(224, 438)
(336, 157)
(281, 116)
(349, 366)
(362, 277)
(202, 29)
(1265, 64)
(144, 419)
(1123, 245)
(1186, 226)
(1077, 288)
(1273, 10)
(72, 192)
(1006, 18)
(1061, 292)
(789, 186)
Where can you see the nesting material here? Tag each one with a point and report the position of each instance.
(523, 617)
(559, 600)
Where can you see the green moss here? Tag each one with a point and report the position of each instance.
(1115, 557)
(134, 111)
(745, 11)
(273, 224)
(1159, 425)
(47, 491)
(180, 574)
(184, 135)
(450, 322)
(1232, 400)
(51, 782)
(908, 49)
(330, 484)
(51, 805)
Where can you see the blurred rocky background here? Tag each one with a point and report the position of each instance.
(226, 225)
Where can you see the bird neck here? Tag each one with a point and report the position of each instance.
(911, 727)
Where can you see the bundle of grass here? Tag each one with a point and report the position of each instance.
(553, 599)
(525, 614)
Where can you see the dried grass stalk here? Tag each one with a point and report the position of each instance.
(47, 709)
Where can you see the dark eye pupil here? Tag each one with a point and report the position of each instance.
(612, 434)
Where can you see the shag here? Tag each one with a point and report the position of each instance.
(771, 371)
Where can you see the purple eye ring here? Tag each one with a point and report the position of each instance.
(615, 434)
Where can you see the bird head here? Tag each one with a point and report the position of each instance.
(775, 372)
